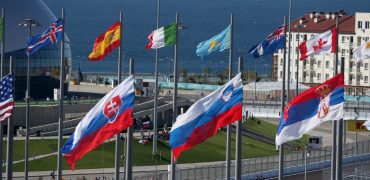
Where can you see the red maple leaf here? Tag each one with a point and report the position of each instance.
(319, 45)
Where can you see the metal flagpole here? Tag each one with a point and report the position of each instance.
(340, 122)
(1, 74)
(228, 136)
(128, 172)
(117, 154)
(61, 98)
(289, 48)
(9, 148)
(155, 115)
(281, 147)
(334, 152)
(239, 126)
(175, 79)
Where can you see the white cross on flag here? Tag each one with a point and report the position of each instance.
(324, 43)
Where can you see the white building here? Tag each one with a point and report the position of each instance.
(353, 31)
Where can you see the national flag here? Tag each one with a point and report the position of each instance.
(362, 52)
(164, 36)
(324, 43)
(51, 36)
(1, 28)
(204, 118)
(309, 109)
(219, 42)
(273, 42)
(110, 116)
(6, 96)
(106, 42)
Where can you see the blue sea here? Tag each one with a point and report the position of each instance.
(253, 21)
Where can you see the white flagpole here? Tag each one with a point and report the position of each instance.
(9, 148)
(281, 147)
(228, 134)
(128, 172)
(174, 105)
(61, 98)
(155, 115)
(1, 74)
(289, 48)
(239, 127)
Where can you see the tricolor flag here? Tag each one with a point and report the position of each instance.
(164, 36)
(219, 42)
(51, 36)
(362, 52)
(204, 118)
(309, 109)
(110, 116)
(106, 42)
(324, 43)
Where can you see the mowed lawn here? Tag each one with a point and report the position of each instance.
(211, 150)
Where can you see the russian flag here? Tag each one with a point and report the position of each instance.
(109, 117)
(206, 116)
(309, 109)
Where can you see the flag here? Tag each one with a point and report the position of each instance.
(110, 116)
(164, 36)
(362, 52)
(367, 124)
(220, 42)
(6, 96)
(1, 29)
(309, 109)
(203, 119)
(324, 43)
(273, 42)
(106, 42)
(51, 36)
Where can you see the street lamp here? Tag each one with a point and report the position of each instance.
(28, 23)
(298, 27)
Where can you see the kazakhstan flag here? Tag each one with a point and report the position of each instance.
(219, 42)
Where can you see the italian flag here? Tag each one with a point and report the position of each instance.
(164, 36)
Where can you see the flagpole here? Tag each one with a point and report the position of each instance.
(9, 148)
(239, 126)
(155, 115)
(281, 147)
(61, 98)
(228, 135)
(340, 122)
(128, 172)
(117, 152)
(1, 74)
(174, 104)
(289, 48)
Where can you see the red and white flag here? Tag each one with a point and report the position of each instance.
(324, 43)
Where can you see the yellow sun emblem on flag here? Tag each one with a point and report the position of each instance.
(213, 44)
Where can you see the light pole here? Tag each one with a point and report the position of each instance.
(298, 27)
(306, 155)
(28, 23)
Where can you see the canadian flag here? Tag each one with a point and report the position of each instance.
(324, 43)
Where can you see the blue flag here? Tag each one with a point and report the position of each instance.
(219, 42)
(273, 42)
(52, 35)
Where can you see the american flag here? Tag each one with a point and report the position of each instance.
(6, 96)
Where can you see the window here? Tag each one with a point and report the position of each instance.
(359, 24)
(318, 76)
(326, 76)
(351, 39)
(327, 64)
(366, 66)
(367, 24)
(343, 39)
(305, 37)
(297, 37)
(350, 65)
(343, 52)
(351, 52)
(281, 73)
(366, 79)
(281, 61)
(296, 62)
(318, 64)
(366, 39)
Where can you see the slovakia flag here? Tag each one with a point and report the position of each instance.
(206, 116)
(324, 43)
(109, 117)
(311, 108)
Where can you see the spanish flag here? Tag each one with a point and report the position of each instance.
(106, 42)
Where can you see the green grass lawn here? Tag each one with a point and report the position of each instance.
(36, 147)
(211, 150)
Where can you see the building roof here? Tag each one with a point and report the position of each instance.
(319, 22)
(271, 86)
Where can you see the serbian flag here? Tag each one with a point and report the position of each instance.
(109, 117)
(106, 42)
(206, 116)
(324, 43)
(309, 109)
